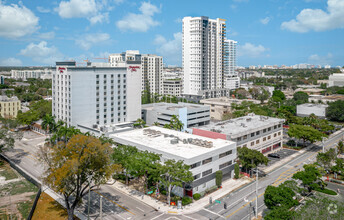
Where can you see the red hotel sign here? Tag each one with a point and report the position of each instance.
(133, 68)
(61, 69)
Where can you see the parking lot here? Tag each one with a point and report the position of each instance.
(283, 153)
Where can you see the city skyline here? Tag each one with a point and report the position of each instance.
(277, 32)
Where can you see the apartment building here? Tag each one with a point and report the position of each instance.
(35, 74)
(96, 95)
(257, 132)
(9, 107)
(223, 105)
(191, 115)
(203, 54)
(205, 156)
(151, 68)
(230, 57)
(172, 87)
(2, 80)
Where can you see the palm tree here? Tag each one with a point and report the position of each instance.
(49, 123)
(139, 123)
(176, 124)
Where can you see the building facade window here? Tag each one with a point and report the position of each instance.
(207, 172)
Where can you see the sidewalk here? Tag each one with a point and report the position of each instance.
(227, 187)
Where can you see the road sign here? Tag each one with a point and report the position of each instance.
(179, 204)
(218, 201)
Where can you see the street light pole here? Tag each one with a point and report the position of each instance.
(101, 208)
(256, 192)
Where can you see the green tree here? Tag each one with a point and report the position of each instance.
(326, 159)
(126, 156)
(335, 112)
(300, 97)
(263, 95)
(175, 124)
(175, 173)
(77, 167)
(278, 95)
(250, 158)
(306, 133)
(7, 138)
(236, 171)
(48, 123)
(28, 117)
(280, 196)
(218, 178)
(310, 177)
(339, 167)
(139, 123)
(279, 213)
(340, 147)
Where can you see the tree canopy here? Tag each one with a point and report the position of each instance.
(335, 111)
(310, 177)
(250, 158)
(280, 196)
(300, 97)
(306, 133)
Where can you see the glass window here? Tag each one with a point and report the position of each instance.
(225, 154)
(225, 164)
(207, 172)
(195, 165)
(197, 176)
(207, 160)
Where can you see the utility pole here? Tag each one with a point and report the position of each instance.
(256, 192)
(89, 201)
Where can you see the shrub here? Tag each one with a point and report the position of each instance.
(197, 196)
(175, 198)
(186, 200)
(218, 178)
(236, 171)
(326, 191)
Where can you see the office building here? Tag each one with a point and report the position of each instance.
(191, 115)
(307, 109)
(151, 68)
(203, 54)
(97, 95)
(223, 105)
(9, 107)
(257, 132)
(35, 74)
(232, 82)
(205, 156)
(2, 80)
(172, 87)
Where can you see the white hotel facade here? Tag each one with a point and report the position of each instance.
(96, 95)
(203, 54)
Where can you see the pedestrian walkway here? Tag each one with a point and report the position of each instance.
(227, 187)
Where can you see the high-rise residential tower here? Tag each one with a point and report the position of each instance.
(151, 67)
(203, 54)
(231, 79)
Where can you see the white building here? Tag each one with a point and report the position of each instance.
(307, 109)
(191, 115)
(261, 133)
(151, 68)
(205, 156)
(232, 82)
(172, 87)
(336, 79)
(96, 95)
(36, 74)
(231, 79)
(203, 54)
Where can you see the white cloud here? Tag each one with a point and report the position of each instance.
(41, 53)
(10, 62)
(100, 18)
(265, 20)
(140, 22)
(171, 50)
(47, 35)
(77, 8)
(320, 60)
(251, 50)
(42, 9)
(317, 19)
(16, 21)
(87, 41)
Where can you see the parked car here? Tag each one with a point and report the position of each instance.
(274, 155)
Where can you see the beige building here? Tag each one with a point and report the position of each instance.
(9, 107)
(172, 87)
(223, 105)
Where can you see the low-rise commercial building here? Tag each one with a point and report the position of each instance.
(336, 79)
(205, 156)
(257, 132)
(307, 109)
(223, 105)
(172, 87)
(325, 99)
(36, 74)
(191, 115)
(9, 107)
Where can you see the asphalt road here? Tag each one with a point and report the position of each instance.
(116, 205)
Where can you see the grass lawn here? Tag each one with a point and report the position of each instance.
(48, 208)
(19, 187)
(7, 172)
(25, 208)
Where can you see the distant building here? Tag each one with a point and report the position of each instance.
(205, 156)
(172, 87)
(232, 82)
(307, 109)
(151, 68)
(261, 133)
(336, 79)
(223, 105)
(2, 80)
(230, 57)
(35, 74)
(325, 99)
(207, 94)
(96, 96)
(9, 107)
(191, 115)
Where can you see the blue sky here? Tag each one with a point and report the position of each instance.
(268, 31)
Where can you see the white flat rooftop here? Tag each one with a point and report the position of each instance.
(242, 125)
(158, 140)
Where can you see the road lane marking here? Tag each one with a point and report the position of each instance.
(214, 213)
(157, 216)
(114, 202)
(243, 206)
(189, 217)
(140, 209)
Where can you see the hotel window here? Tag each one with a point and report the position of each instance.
(264, 130)
(275, 134)
(207, 160)
(264, 139)
(279, 133)
(269, 137)
(257, 133)
(207, 172)
(257, 141)
(252, 134)
(245, 137)
(269, 129)
(252, 143)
